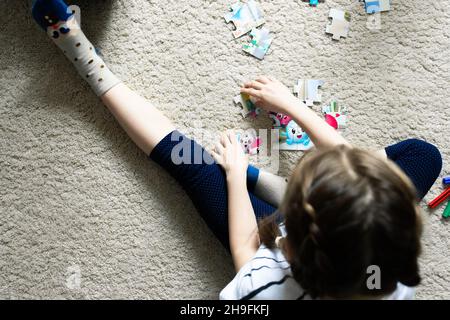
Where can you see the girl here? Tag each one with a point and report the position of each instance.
(345, 211)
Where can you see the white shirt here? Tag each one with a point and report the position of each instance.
(268, 276)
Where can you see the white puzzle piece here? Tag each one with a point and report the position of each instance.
(307, 90)
(340, 24)
(245, 17)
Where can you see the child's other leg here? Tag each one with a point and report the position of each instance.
(144, 123)
(420, 160)
(204, 181)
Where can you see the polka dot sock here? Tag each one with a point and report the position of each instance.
(60, 23)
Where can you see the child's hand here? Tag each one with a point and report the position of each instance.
(270, 94)
(229, 154)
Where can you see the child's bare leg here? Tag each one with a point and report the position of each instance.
(145, 124)
(142, 121)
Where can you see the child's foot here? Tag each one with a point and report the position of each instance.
(59, 21)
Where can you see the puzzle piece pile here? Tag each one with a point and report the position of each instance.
(292, 136)
(340, 20)
(247, 17)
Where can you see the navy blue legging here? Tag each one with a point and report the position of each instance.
(205, 183)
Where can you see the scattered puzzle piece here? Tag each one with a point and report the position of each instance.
(375, 6)
(260, 43)
(335, 116)
(313, 3)
(340, 25)
(248, 107)
(250, 142)
(308, 91)
(245, 17)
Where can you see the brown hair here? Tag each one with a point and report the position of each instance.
(346, 209)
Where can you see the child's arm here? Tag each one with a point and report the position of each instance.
(242, 225)
(272, 95)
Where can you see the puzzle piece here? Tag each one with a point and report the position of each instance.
(340, 25)
(313, 3)
(375, 6)
(248, 107)
(279, 119)
(250, 142)
(260, 43)
(293, 138)
(335, 116)
(245, 17)
(308, 91)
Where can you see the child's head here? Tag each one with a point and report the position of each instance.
(346, 209)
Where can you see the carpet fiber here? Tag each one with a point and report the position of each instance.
(84, 214)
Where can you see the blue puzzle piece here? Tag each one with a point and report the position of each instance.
(373, 6)
(313, 3)
(376, 6)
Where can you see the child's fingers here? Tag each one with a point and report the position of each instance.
(276, 80)
(219, 149)
(253, 84)
(252, 92)
(232, 136)
(224, 140)
(216, 157)
(263, 79)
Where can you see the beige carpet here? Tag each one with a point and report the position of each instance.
(78, 198)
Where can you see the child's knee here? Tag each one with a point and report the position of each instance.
(428, 154)
(429, 151)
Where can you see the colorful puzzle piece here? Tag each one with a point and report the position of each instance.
(293, 138)
(335, 116)
(279, 119)
(245, 17)
(260, 43)
(250, 142)
(248, 107)
(313, 3)
(340, 25)
(375, 6)
(308, 91)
